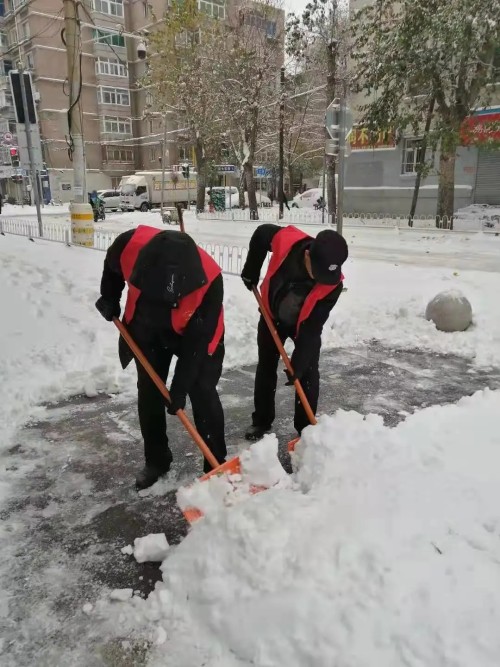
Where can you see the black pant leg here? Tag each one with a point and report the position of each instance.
(207, 409)
(265, 377)
(151, 408)
(310, 385)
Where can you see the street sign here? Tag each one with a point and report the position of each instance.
(226, 169)
(36, 146)
(7, 138)
(261, 172)
(331, 147)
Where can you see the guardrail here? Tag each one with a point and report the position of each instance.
(230, 258)
(308, 216)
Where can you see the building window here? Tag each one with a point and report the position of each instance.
(151, 126)
(117, 125)
(4, 42)
(111, 67)
(109, 37)
(147, 9)
(496, 65)
(25, 30)
(7, 66)
(30, 63)
(12, 125)
(110, 7)
(118, 96)
(412, 153)
(152, 153)
(261, 23)
(184, 153)
(12, 37)
(118, 154)
(214, 8)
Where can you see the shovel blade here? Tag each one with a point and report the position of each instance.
(292, 444)
(231, 467)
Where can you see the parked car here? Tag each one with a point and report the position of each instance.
(111, 199)
(307, 199)
(262, 200)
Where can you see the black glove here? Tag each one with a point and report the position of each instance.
(108, 308)
(177, 402)
(249, 283)
(291, 378)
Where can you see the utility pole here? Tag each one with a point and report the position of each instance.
(82, 215)
(163, 146)
(27, 127)
(342, 138)
(281, 143)
(73, 52)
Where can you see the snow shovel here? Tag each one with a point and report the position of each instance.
(231, 467)
(288, 365)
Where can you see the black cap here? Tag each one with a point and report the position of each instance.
(328, 252)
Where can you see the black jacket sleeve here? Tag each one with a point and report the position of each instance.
(112, 281)
(308, 342)
(197, 336)
(260, 245)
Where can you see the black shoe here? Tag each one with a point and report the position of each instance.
(149, 475)
(255, 433)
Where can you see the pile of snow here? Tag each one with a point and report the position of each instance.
(478, 216)
(385, 551)
(260, 468)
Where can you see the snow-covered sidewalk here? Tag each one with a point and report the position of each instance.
(384, 550)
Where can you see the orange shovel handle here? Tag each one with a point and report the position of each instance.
(165, 393)
(284, 355)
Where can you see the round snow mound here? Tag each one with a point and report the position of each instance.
(450, 311)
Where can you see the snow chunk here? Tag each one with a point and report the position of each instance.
(87, 608)
(208, 496)
(260, 465)
(121, 594)
(128, 550)
(151, 548)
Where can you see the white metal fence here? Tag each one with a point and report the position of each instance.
(307, 216)
(230, 258)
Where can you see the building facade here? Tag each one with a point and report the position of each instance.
(122, 132)
(380, 178)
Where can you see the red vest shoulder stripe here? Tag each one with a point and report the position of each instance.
(142, 235)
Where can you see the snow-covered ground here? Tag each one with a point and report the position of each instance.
(383, 551)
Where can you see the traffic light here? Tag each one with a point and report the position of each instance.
(185, 170)
(14, 156)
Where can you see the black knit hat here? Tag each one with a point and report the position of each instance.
(328, 252)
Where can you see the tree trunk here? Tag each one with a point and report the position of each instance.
(421, 163)
(290, 181)
(330, 186)
(446, 189)
(201, 165)
(252, 197)
(241, 189)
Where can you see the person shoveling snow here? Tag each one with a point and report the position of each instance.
(174, 307)
(301, 286)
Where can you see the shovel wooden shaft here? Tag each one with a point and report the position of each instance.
(284, 355)
(165, 393)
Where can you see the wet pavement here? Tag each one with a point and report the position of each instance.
(77, 508)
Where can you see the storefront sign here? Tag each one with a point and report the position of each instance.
(361, 138)
(482, 128)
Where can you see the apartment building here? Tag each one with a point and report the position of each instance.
(121, 130)
(380, 177)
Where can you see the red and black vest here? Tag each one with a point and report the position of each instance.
(188, 304)
(281, 245)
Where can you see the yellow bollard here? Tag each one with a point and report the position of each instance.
(82, 224)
